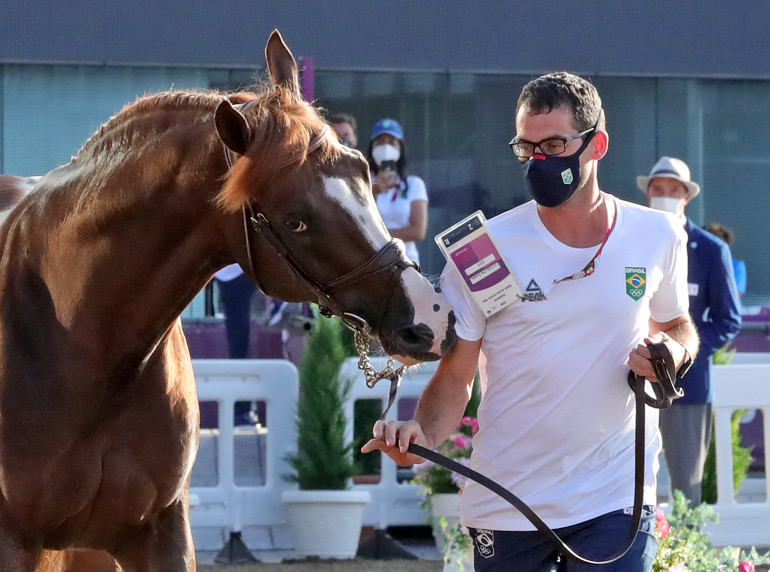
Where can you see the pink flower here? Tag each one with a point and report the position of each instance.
(471, 422)
(746, 566)
(662, 527)
(462, 441)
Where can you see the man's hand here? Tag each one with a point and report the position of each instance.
(393, 438)
(639, 360)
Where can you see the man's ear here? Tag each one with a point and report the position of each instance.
(601, 142)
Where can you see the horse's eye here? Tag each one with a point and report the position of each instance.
(295, 225)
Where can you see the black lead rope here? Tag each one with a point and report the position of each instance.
(664, 365)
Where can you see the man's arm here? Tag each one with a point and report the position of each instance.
(440, 409)
(680, 337)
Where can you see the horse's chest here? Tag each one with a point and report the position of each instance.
(95, 488)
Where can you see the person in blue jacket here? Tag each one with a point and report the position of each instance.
(715, 309)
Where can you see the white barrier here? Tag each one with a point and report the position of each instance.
(742, 386)
(231, 505)
(392, 503)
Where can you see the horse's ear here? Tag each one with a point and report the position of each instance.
(281, 63)
(232, 128)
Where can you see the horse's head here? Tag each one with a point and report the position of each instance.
(311, 226)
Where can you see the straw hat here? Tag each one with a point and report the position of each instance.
(670, 168)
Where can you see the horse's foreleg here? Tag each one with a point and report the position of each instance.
(164, 544)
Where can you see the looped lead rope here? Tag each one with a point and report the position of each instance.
(665, 390)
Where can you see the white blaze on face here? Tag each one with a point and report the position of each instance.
(430, 307)
(366, 215)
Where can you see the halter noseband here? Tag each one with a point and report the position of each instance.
(389, 256)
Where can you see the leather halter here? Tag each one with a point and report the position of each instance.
(390, 257)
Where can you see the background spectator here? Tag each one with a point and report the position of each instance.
(402, 199)
(739, 266)
(346, 127)
(715, 309)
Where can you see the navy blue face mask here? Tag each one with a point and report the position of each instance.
(552, 180)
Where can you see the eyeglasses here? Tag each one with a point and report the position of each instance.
(525, 149)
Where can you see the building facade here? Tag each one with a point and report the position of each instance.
(687, 79)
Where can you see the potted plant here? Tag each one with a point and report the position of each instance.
(325, 515)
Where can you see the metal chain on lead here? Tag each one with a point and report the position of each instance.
(361, 339)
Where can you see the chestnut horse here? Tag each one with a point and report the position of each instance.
(98, 410)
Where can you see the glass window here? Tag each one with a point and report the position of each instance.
(457, 127)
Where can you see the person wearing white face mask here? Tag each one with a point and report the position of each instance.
(715, 308)
(402, 199)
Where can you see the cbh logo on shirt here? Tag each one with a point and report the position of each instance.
(636, 282)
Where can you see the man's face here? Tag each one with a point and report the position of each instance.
(670, 189)
(346, 132)
(556, 124)
(666, 187)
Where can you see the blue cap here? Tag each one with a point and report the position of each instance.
(389, 126)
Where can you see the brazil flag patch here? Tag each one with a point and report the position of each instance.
(636, 281)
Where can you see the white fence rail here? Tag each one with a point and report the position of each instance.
(237, 500)
(232, 502)
(745, 385)
(392, 503)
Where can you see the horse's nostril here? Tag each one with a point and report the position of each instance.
(416, 337)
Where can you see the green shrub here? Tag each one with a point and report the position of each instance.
(741, 461)
(324, 461)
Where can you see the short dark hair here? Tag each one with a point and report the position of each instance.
(721, 231)
(563, 90)
(336, 118)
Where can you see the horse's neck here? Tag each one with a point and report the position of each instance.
(124, 263)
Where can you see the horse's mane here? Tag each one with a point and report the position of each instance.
(116, 130)
(286, 130)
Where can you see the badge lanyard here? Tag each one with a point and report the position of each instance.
(589, 268)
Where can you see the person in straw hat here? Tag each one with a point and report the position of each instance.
(715, 308)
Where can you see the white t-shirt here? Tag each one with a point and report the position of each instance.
(395, 208)
(229, 272)
(557, 415)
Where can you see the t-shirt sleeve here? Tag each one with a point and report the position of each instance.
(671, 300)
(417, 190)
(470, 323)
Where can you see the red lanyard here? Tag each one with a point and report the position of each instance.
(589, 268)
